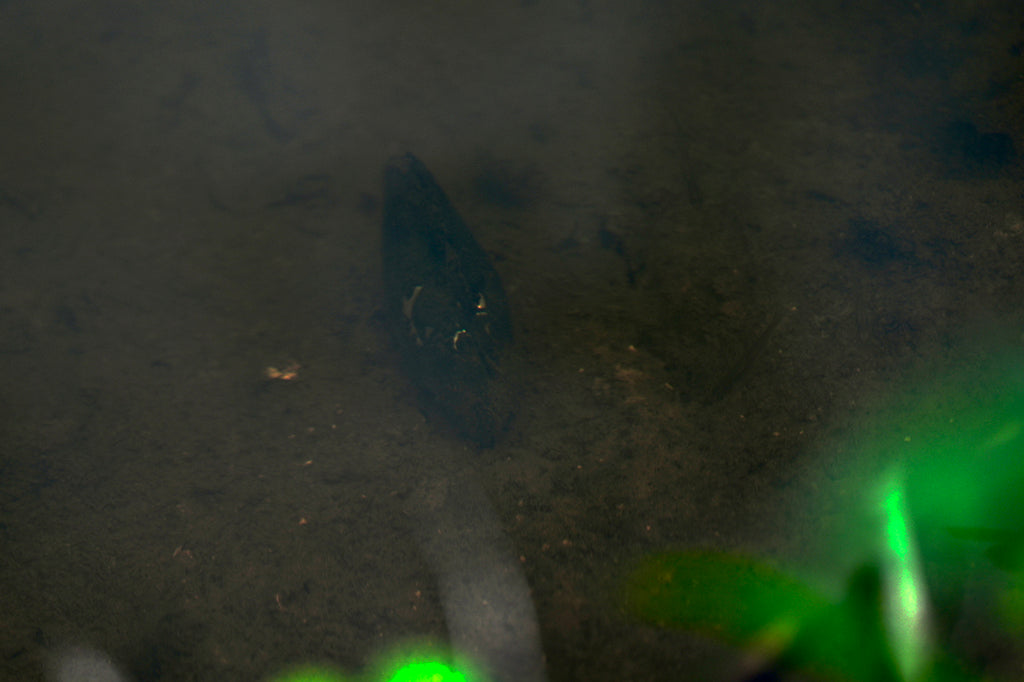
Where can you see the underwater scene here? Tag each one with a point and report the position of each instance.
(529, 341)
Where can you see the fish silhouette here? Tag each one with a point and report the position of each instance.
(446, 307)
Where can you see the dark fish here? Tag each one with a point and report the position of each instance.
(445, 305)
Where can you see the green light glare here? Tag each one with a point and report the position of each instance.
(423, 661)
(954, 441)
(970, 480)
(963, 449)
(406, 671)
(905, 601)
(430, 671)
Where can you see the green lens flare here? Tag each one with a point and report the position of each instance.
(905, 601)
(427, 672)
(418, 671)
(907, 538)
